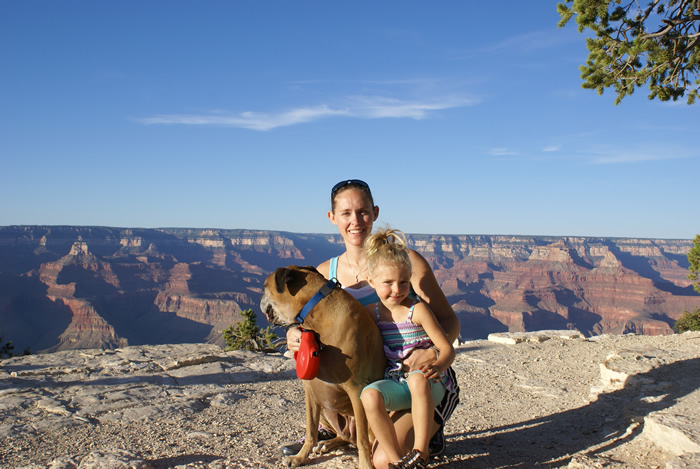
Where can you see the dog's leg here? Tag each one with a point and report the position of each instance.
(364, 444)
(339, 425)
(313, 416)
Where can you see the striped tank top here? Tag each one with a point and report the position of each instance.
(400, 339)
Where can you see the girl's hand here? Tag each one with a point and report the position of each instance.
(293, 339)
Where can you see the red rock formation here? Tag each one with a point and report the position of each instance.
(108, 287)
(583, 286)
(177, 282)
(87, 329)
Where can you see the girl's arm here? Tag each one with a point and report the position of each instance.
(424, 317)
(425, 285)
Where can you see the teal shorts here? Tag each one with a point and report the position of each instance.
(397, 396)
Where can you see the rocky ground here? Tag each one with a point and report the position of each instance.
(544, 399)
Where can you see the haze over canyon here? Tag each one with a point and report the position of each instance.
(64, 287)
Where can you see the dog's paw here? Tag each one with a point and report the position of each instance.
(294, 461)
(326, 446)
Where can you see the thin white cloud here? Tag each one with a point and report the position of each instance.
(625, 158)
(641, 156)
(363, 107)
(247, 120)
(552, 148)
(528, 42)
(525, 43)
(500, 151)
(375, 107)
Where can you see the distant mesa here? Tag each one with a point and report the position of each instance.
(64, 287)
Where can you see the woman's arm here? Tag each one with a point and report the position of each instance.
(426, 286)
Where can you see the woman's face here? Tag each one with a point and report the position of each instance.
(353, 215)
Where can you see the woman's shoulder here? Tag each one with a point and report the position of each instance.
(419, 265)
(324, 268)
(416, 256)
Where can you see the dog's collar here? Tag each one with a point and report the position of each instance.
(321, 294)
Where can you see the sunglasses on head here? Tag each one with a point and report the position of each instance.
(349, 182)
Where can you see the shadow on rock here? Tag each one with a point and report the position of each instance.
(183, 460)
(611, 420)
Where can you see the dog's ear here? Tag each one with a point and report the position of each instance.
(281, 275)
(309, 267)
(290, 278)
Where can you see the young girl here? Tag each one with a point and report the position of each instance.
(406, 324)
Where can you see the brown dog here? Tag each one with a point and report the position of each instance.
(352, 355)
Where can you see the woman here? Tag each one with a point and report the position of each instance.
(354, 213)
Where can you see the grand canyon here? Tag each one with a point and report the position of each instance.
(66, 287)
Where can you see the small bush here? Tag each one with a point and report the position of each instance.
(6, 349)
(688, 322)
(247, 336)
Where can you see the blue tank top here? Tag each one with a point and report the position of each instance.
(365, 295)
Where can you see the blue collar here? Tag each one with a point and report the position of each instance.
(321, 294)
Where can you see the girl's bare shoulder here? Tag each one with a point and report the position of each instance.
(421, 311)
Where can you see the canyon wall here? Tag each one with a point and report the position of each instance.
(64, 287)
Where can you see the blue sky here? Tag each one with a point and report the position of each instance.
(464, 117)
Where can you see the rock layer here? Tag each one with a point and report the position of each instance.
(65, 287)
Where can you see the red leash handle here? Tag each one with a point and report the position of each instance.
(308, 357)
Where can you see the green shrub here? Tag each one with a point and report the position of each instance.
(694, 261)
(688, 322)
(6, 349)
(247, 336)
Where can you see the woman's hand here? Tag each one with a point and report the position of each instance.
(417, 359)
(293, 338)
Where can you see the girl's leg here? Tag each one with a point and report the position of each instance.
(403, 425)
(380, 423)
(422, 408)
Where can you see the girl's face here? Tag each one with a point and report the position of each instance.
(353, 215)
(392, 283)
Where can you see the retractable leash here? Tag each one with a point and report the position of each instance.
(308, 357)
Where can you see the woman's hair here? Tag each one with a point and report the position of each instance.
(387, 246)
(350, 184)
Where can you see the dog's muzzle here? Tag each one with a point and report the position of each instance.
(270, 312)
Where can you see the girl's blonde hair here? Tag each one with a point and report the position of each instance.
(387, 246)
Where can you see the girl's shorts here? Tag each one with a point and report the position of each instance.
(397, 396)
